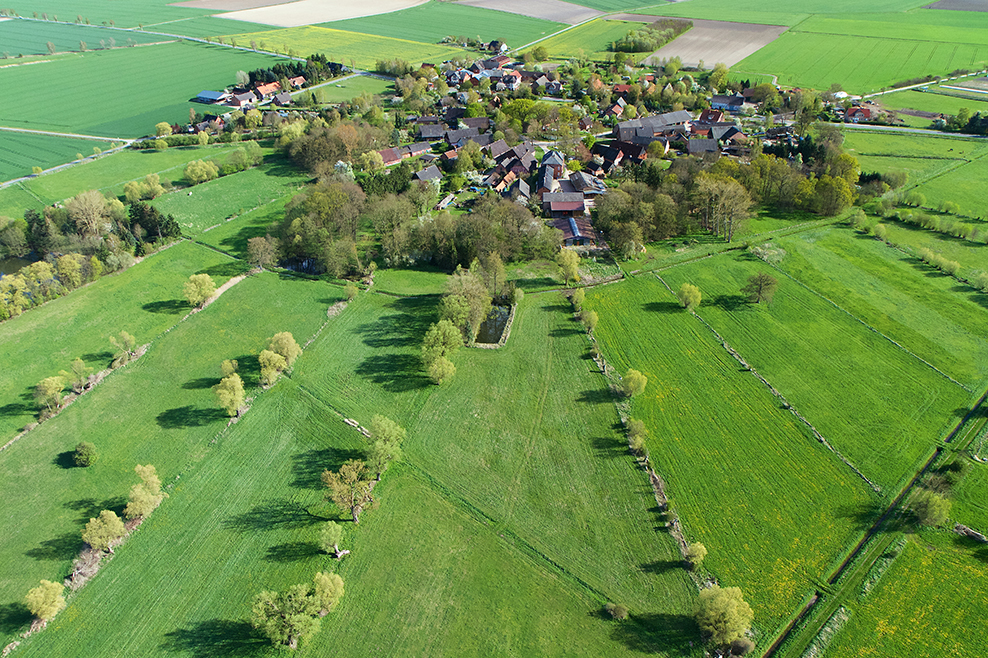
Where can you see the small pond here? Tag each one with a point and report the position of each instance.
(493, 326)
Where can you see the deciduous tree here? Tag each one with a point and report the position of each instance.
(689, 296)
(78, 377)
(262, 252)
(103, 531)
(230, 393)
(48, 394)
(723, 613)
(931, 508)
(287, 617)
(272, 364)
(85, 454)
(330, 537)
(284, 344)
(350, 488)
(695, 553)
(200, 171)
(126, 346)
(162, 129)
(46, 600)
(569, 261)
(633, 383)
(760, 288)
(198, 289)
(441, 341)
(440, 369)
(589, 319)
(328, 590)
(146, 496)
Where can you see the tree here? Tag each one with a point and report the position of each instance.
(350, 488)
(146, 496)
(467, 302)
(162, 129)
(350, 290)
(569, 261)
(198, 289)
(689, 296)
(387, 437)
(90, 212)
(46, 600)
(577, 297)
(633, 383)
(441, 341)
(69, 270)
(695, 553)
(200, 171)
(85, 454)
(103, 531)
(202, 138)
(286, 617)
(272, 364)
(253, 119)
(722, 612)
(78, 377)
(230, 393)
(126, 348)
(931, 508)
(616, 611)
(636, 436)
(327, 590)
(262, 252)
(589, 320)
(330, 537)
(760, 288)
(284, 344)
(440, 370)
(48, 394)
(229, 366)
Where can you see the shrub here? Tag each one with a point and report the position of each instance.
(616, 611)
(85, 454)
(880, 232)
(634, 383)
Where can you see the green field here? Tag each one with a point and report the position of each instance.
(924, 25)
(970, 500)
(778, 12)
(962, 185)
(29, 37)
(591, 39)
(129, 14)
(143, 300)
(201, 27)
(433, 21)
(351, 48)
(352, 87)
(973, 256)
(930, 602)
(22, 151)
(132, 101)
(201, 207)
(788, 512)
(943, 103)
(921, 156)
(856, 372)
(232, 236)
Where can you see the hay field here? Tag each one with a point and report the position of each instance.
(22, 151)
(30, 37)
(310, 12)
(717, 41)
(591, 40)
(549, 10)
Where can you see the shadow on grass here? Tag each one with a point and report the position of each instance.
(202, 382)
(274, 515)
(566, 332)
(168, 307)
(403, 328)
(596, 396)
(535, 283)
(189, 416)
(249, 368)
(730, 302)
(61, 548)
(65, 460)
(14, 617)
(663, 307)
(653, 633)
(16, 409)
(396, 373)
(661, 566)
(90, 508)
(237, 243)
(864, 515)
(231, 269)
(608, 446)
(103, 356)
(558, 308)
(308, 466)
(972, 546)
(217, 637)
(293, 551)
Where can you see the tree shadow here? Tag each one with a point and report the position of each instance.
(230, 269)
(396, 373)
(606, 446)
(663, 307)
(293, 551)
(16, 409)
(201, 383)
(976, 549)
(168, 307)
(217, 637)
(596, 396)
(558, 308)
(670, 634)
(103, 356)
(863, 515)
(14, 617)
(189, 416)
(661, 566)
(308, 466)
(536, 282)
(60, 549)
(730, 302)
(564, 333)
(249, 368)
(65, 460)
(273, 515)
(405, 327)
(89, 508)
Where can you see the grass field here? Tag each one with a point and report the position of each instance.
(777, 12)
(973, 256)
(711, 422)
(29, 37)
(201, 27)
(22, 151)
(924, 25)
(132, 101)
(591, 39)
(930, 602)
(962, 185)
(212, 203)
(232, 236)
(931, 102)
(920, 156)
(353, 87)
(351, 48)
(129, 14)
(970, 500)
(433, 21)
(856, 372)
(143, 300)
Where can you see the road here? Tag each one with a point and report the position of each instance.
(901, 129)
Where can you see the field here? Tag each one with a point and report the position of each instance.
(962, 186)
(556, 11)
(856, 372)
(776, 12)
(591, 40)
(352, 87)
(308, 12)
(930, 602)
(22, 151)
(232, 236)
(28, 37)
(143, 300)
(433, 21)
(792, 507)
(718, 41)
(972, 256)
(207, 26)
(132, 101)
(920, 156)
(130, 14)
(359, 50)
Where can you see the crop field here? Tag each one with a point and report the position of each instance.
(928, 313)
(776, 12)
(351, 48)
(130, 14)
(932, 102)
(350, 88)
(878, 405)
(203, 206)
(29, 37)
(592, 39)
(159, 410)
(201, 27)
(920, 156)
(22, 151)
(702, 421)
(717, 41)
(924, 25)
(930, 602)
(132, 101)
(550, 10)
(962, 185)
(143, 300)
(433, 21)
(972, 256)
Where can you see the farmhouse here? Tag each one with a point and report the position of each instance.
(727, 103)
(856, 114)
(430, 173)
(283, 99)
(577, 231)
(268, 89)
(243, 100)
(563, 204)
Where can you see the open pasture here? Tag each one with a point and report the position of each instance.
(925, 25)
(947, 102)
(433, 21)
(201, 27)
(880, 406)
(717, 42)
(972, 256)
(345, 90)
(22, 151)
(130, 14)
(920, 156)
(232, 236)
(928, 313)
(775, 12)
(963, 185)
(351, 48)
(793, 507)
(556, 11)
(132, 101)
(591, 40)
(30, 37)
(970, 497)
(930, 602)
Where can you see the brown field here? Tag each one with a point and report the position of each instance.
(718, 41)
(227, 5)
(550, 10)
(310, 12)
(960, 5)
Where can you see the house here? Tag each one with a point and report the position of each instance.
(454, 114)
(555, 160)
(243, 100)
(430, 173)
(699, 146)
(391, 156)
(297, 82)
(283, 99)
(732, 103)
(554, 87)
(856, 114)
(211, 97)
(268, 89)
(631, 151)
(518, 190)
(563, 204)
(432, 132)
(586, 184)
(643, 129)
(540, 83)
(614, 111)
(611, 156)
(586, 123)
(496, 149)
(546, 182)
(445, 202)
(711, 115)
(577, 231)
(511, 79)
(621, 90)
(503, 184)
(480, 123)
(430, 119)
(726, 132)
(454, 136)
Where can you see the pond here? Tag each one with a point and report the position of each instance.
(11, 265)
(493, 326)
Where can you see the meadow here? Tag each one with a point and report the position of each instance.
(920, 156)
(352, 87)
(201, 27)
(930, 602)
(125, 15)
(856, 372)
(931, 101)
(590, 40)
(132, 101)
(22, 151)
(970, 504)
(30, 37)
(792, 507)
(923, 25)
(159, 410)
(350, 48)
(434, 21)
(779, 12)
(972, 256)
(962, 185)
(231, 237)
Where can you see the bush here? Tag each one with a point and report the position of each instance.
(634, 383)
(85, 454)
(616, 611)
(880, 232)
(741, 646)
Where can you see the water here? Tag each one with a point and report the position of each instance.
(11, 265)
(493, 326)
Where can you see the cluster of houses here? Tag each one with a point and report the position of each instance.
(245, 98)
(502, 73)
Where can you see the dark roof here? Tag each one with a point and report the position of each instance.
(730, 101)
(481, 123)
(453, 136)
(498, 148)
(431, 131)
(553, 157)
(283, 98)
(703, 146)
(429, 173)
(455, 114)
(562, 197)
(417, 148)
(211, 96)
